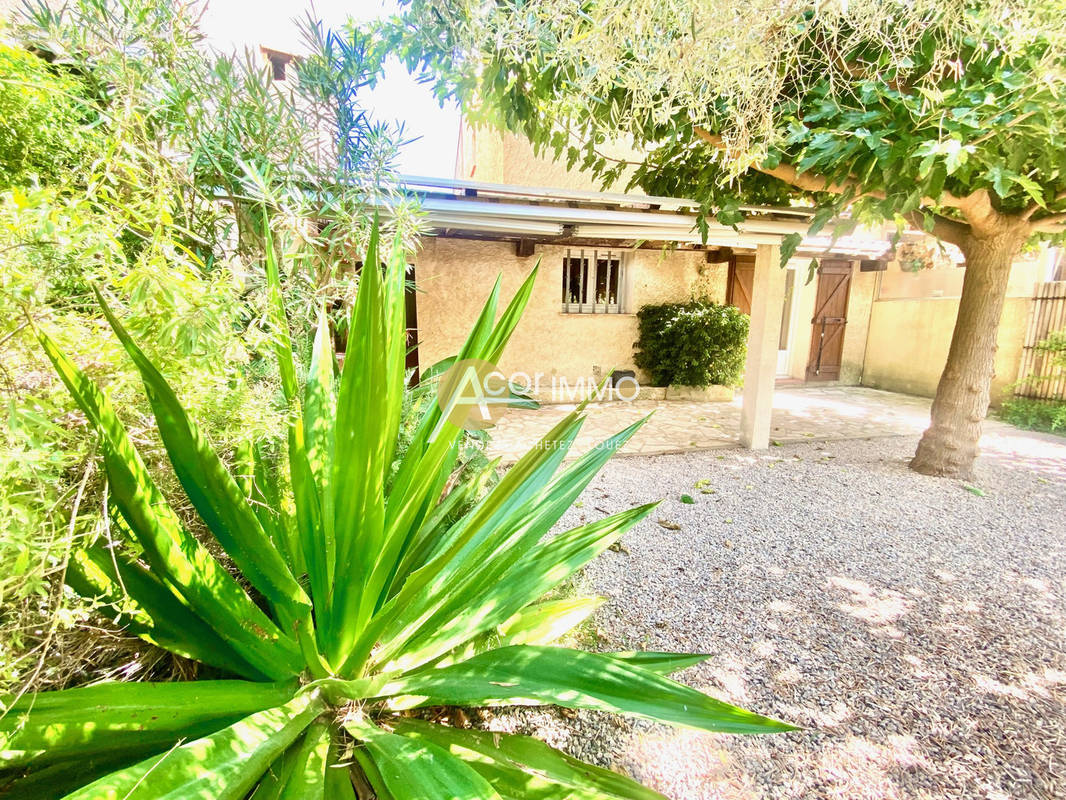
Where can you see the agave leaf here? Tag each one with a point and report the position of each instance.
(400, 528)
(222, 766)
(276, 777)
(338, 773)
(370, 392)
(485, 342)
(475, 340)
(56, 780)
(395, 289)
(475, 603)
(312, 467)
(174, 554)
(48, 727)
(429, 588)
(419, 770)
(510, 318)
(533, 675)
(530, 576)
(215, 494)
(319, 425)
(424, 542)
(307, 779)
(304, 490)
(148, 608)
(265, 497)
(372, 774)
(279, 321)
(541, 623)
(545, 622)
(521, 766)
(660, 663)
(552, 562)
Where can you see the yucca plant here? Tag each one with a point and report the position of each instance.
(344, 608)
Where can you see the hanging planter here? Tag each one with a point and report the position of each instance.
(921, 255)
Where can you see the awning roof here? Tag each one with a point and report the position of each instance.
(501, 211)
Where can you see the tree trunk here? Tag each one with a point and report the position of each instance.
(949, 446)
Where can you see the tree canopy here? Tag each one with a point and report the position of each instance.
(944, 115)
(900, 110)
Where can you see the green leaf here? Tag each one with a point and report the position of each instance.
(554, 561)
(222, 766)
(173, 553)
(419, 770)
(307, 778)
(481, 597)
(148, 608)
(687, 499)
(812, 270)
(531, 675)
(371, 390)
(660, 663)
(279, 321)
(789, 245)
(276, 777)
(431, 587)
(319, 429)
(338, 774)
(541, 623)
(521, 766)
(215, 495)
(51, 726)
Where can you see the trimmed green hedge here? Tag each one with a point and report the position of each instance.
(697, 343)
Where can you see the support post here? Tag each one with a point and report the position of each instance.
(760, 369)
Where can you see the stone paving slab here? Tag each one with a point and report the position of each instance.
(807, 413)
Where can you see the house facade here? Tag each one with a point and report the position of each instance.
(604, 255)
(864, 317)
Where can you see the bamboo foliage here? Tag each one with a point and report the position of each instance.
(349, 604)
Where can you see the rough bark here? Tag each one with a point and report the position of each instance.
(949, 446)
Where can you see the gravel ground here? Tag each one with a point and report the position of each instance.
(914, 627)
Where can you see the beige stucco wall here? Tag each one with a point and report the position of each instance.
(860, 306)
(493, 157)
(909, 340)
(454, 277)
(799, 346)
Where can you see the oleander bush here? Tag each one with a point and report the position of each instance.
(43, 133)
(327, 607)
(135, 160)
(698, 343)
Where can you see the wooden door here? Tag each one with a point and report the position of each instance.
(829, 321)
(741, 278)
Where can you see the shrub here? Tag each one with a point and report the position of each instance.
(349, 603)
(138, 162)
(42, 130)
(697, 343)
(1040, 414)
(1035, 415)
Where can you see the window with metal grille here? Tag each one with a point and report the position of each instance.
(594, 282)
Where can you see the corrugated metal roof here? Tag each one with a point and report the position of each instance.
(491, 210)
